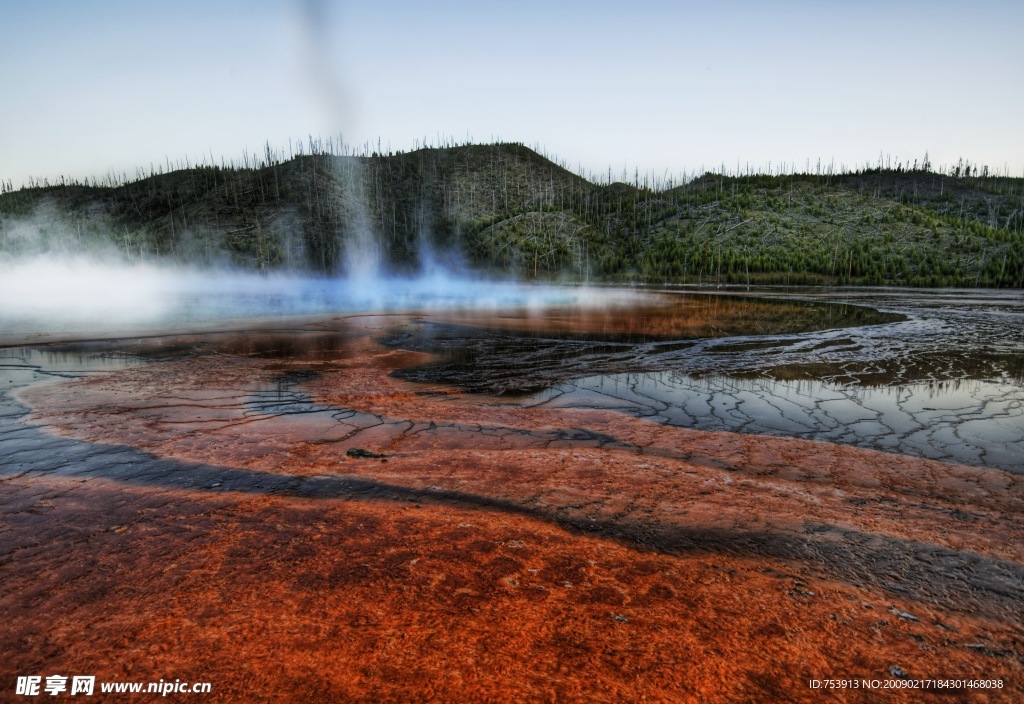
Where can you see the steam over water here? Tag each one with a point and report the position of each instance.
(89, 298)
(936, 375)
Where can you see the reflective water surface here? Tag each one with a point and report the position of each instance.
(932, 374)
(975, 422)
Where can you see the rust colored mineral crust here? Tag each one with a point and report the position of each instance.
(495, 552)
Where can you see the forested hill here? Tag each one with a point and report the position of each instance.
(504, 208)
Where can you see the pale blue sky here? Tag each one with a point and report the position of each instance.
(659, 86)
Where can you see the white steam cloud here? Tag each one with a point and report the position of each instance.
(47, 298)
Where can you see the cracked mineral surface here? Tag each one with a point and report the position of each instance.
(703, 498)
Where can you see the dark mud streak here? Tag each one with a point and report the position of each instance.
(958, 581)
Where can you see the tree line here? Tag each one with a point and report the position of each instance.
(505, 208)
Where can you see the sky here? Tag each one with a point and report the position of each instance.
(655, 86)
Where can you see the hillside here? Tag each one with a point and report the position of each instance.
(504, 208)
